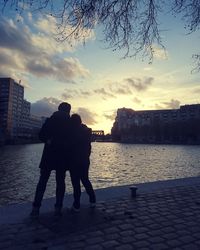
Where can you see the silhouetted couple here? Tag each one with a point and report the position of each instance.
(67, 147)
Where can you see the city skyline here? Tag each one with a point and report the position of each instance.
(95, 80)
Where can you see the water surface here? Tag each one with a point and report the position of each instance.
(112, 164)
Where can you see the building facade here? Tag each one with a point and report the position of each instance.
(11, 106)
(15, 119)
(167, 125)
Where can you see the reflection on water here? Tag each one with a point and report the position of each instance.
(112, 164)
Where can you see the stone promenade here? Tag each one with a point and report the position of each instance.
(162, 218)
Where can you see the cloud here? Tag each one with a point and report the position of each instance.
(111, 116)
(61, 69)
(35, 53)
(196, 91)
(14, 39)
(45, 106)
(70, 94)
(111, 90)
(120, 89)
(173, 104)
(75, 93)
(139, 84)
(87, 116)
(104, 93)
(128, 86)
(136, 100)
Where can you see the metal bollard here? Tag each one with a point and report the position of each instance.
(133, 191)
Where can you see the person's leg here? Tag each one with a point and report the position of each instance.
(86, 182)
(75, 179)
(40, 189)
(60, 188)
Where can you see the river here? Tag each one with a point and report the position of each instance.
(112, 164)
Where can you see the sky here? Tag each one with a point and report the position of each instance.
(96, 81)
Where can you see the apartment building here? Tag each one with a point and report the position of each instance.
(177, 126)
(16, 121)
(11, 106)
(127, 117)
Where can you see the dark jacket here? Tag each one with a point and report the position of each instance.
(81, 145)
(55, 133)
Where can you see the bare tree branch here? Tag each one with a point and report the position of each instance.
(131, 25)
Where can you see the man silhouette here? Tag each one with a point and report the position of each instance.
(55, 134)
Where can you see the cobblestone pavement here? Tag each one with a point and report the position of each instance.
(165, 219)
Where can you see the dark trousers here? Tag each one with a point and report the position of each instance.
(77, 174)
(41, 187)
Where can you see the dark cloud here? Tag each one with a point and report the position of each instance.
(72, 93)
(125, 87)
(104, 93)
(67, 96)
(121, 89)
(196, 91)
(137, 100)
(85, 93)
(139, 84)
(87, 116)
(173, 104)
(13, 38)
(158, 106)
(45, 107)
(29, 55)
(129, 85)
(6, 60)
(38, 68)
(111, 116)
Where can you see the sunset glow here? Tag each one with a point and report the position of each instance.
(95, 80)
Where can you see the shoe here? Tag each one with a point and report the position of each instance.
(58, 211)
(74, 209)
(35, 212)
(92, 204)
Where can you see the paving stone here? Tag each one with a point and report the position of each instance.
(170, 236)
(159, 246)
(109, 244)
(5, 244)
(174, 243)
(141, 236)
(95, 240)
(125, 226)
(127, 239)
(167, 219)
(156, 239)
(57, 248)
(126, 233)
(95, 234)
(141, 244)
(170, 229)
(141, 229)
(93, 247)
(187, 239)
(125, 247)
(191, 247)
(111, 230)
(77, 245)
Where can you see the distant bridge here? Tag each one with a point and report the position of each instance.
(98, 132)
(97, 135)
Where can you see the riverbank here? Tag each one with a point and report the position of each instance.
(164, 215)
